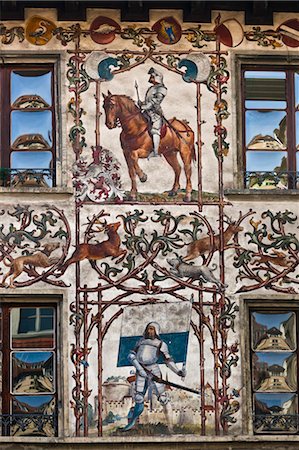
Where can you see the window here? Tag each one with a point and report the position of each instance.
(274, 370)
(271, 127)
(29, 374)
(27, 125)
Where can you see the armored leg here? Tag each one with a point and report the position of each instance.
(155, 132)
(141, 387)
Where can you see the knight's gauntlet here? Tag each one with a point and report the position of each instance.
(172, 365)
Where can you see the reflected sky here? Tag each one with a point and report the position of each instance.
(38, 85)
(263, 161)
(30, 160)
(271, 320)
(263, 123)
(273, 358)
(274, 399)
(39, 122)
(33, 357)
(262, 104)
(296, 89)
(34, 400)
(264, 74)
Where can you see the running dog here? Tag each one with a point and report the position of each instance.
(39, 259)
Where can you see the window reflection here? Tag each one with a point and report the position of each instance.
(265, 130)
(1, 382)
(275, 406)
(44, 405)
(297, 90)
(274, 372)
(34, 160)
(31, 83)
(32, 327)
(32, 372)
(273, 331)
(31, 130)
(265, 104)
(265, 85)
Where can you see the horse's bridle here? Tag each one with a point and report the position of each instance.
(131, 116)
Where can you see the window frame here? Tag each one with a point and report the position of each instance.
(271, 303)
(33, 301)
(250, 59)
(290, 114)
(42, 62)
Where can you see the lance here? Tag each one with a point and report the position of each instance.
(137, 91)
(170, 383)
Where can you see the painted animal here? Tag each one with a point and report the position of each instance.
(181, 269)
(205, 245)
(277, 258)
(104, 249)
(39, 259)
(137, 143)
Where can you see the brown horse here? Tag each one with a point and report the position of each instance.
(137, 143)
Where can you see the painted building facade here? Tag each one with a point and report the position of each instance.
(149, 229)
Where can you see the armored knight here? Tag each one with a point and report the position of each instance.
(144, 358)
(152, 106)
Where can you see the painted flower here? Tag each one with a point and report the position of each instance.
(222, 78)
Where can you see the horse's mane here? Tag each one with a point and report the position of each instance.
(128, 103)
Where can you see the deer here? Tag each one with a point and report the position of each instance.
(95, 252)
(206, 244)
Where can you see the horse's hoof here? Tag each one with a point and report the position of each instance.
(132, 197)
(172, 193)
(143, 178)
(187, 198)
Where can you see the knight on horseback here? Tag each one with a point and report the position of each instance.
(152, 107)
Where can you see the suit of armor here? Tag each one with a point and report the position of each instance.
(152, 106)
(144, 358)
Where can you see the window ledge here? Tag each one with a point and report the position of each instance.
(37, 190)
(261, 193)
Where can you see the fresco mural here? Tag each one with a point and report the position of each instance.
(153, 311)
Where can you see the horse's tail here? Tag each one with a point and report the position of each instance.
(186, 130)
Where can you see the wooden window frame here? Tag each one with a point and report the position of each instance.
(6, 110)
(7, 350)
(290, 115)
(280, 307)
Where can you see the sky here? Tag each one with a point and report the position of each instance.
(33, 357)
(271, 320)
(38, 85)
(273, 358)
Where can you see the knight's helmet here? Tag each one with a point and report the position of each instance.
(156, 75)
(156, 326)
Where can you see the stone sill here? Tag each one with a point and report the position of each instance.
(262, 193)
(282, 438)
(36, 190)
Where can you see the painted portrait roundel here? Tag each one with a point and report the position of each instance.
(289, 31)
(230, 32)
(103, 30)
(39, 30)
(168, 30)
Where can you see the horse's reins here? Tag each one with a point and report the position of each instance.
(171, 127)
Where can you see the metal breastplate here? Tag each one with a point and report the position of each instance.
(151, 95)
(148, 351)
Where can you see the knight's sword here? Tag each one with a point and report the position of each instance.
(170, 383)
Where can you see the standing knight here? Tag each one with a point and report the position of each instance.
(144, 358)
(152, 106)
